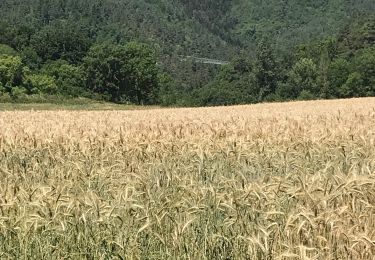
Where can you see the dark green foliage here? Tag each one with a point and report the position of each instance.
(358, 34)
(364, 64)
(65, 40)
(266, 70)
(124, 73)
(315, 49)
(69, 79)
(40, 84)
(337, 74)
(11, 72)
(31, 58)
(303, 78)
(170, 94)
(219, 95)
(7, 50)
(353, 86)
(17, 35)
(328, 68)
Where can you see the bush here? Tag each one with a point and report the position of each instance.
(352, 87)
(18, 93)
(68, 78)
(2, 89)
(40, 83)
(125, 73)
(338, 72)
(30, 58)
(219, 95)
(364, 63)
(306, 95)
(11, 71)
(302, 77)
(5, 98)
(7, 50)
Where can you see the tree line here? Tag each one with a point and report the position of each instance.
(342, 66)
(337, 67)
(64, 58)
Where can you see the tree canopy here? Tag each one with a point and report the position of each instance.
(137, 51)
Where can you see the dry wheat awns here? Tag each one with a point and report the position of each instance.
(274, 181)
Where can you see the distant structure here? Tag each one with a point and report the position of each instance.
(204, 60)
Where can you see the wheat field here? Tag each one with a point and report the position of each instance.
(270, 181)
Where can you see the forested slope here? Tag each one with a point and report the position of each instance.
(66, 33)
(210, 28)
(294, 21)
(167, 24)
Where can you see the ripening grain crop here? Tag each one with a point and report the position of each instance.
(272, 181)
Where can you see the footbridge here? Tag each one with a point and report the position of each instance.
(204, 60)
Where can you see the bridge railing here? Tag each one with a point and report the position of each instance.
(204, 60)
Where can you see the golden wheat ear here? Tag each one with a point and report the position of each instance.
(271, 181)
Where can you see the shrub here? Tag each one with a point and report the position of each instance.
(68, 78)
(11, 71)
(40, 83)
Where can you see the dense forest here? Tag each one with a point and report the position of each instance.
(142, 51)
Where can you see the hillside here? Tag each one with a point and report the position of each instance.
(293, 22)
(136, 51)
(210, 28)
